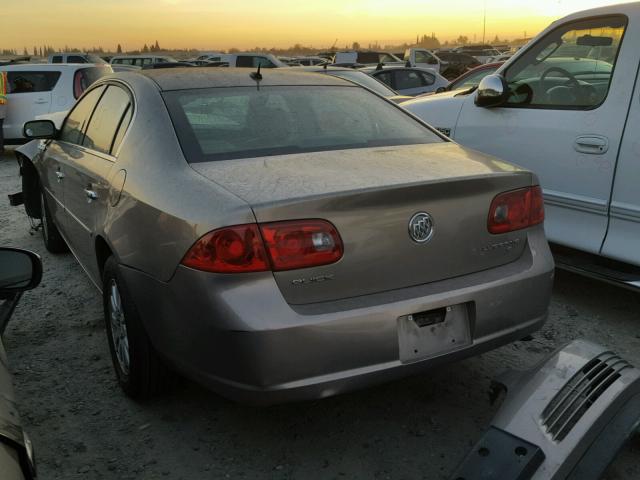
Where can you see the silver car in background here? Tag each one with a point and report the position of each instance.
(285, 235)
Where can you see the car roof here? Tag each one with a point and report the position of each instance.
(203, 77)
(52, 66)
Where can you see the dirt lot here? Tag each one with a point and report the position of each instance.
(83, 427)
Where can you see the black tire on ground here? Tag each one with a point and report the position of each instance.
(53, 241)
(139, 370)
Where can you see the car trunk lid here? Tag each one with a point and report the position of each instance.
(370, 196)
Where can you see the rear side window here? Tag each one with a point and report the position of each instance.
(31, 82)
(122, 129)
(56, 59)
(228, 123)
(76, 122)
(244, 61)
(85, 77)
(406, 79)
(106, 119)
(76, 59)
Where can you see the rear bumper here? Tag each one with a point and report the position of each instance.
(238, 336)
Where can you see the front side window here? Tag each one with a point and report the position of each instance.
(106, 119)
(229, 123)
(32, 82)
(76, 59)
(571, 67)
(425, 57)
(74, 125)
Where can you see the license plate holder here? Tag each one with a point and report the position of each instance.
(434, 332)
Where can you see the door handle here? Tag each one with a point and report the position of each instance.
(60, 175)
(91, 195)
(593, 144)
(41, 101)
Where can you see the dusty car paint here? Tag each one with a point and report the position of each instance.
(289, 344)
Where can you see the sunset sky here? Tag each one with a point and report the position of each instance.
(221, 24)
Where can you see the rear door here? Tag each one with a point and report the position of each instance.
(55, 158)
(29, 95)
(88, 171)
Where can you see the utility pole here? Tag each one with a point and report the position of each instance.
(484, 23)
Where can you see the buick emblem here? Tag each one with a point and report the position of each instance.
(421, 227)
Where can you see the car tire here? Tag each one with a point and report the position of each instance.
(53, 241)
(140, 372)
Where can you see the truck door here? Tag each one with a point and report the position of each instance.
(564, 120)
(623, 237)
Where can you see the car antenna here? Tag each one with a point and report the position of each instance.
(380, 65)
(257, 76)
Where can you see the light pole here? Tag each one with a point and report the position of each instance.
(484, 23)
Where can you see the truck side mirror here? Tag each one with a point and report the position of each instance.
(493, 91)
(21, 270)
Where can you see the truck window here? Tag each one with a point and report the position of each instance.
(32, 82)
(56, 59)
(425, 57)
(76, 59)
(570, 68)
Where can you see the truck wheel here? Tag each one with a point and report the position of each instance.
(140, 372)
(53, 241)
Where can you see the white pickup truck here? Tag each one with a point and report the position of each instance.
(567, 106)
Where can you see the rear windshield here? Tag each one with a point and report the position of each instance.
(228, 123)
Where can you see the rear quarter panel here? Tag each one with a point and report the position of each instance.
(164, 206)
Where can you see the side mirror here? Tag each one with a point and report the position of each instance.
(493, 91)
(21, 270)
(39, 129)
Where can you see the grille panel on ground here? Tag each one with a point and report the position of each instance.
(574, 399)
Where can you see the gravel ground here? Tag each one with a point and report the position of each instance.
(82, 426)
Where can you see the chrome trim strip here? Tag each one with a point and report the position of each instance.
(575, 202)
(625, 211)
(79, 221)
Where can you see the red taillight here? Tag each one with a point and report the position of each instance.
(516, 210)
(301, 243)
(229, 250)
(282, 246)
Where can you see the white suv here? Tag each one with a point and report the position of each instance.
(37, 89)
